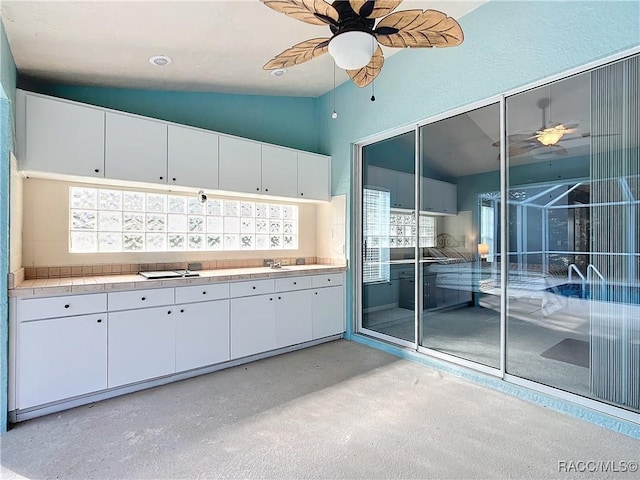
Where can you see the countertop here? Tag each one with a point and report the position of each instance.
(108, 283)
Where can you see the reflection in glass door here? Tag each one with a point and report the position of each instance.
(574, 252)
(460, 195)
(388, 237)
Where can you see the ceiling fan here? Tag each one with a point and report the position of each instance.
(545, 140)
(355, 43)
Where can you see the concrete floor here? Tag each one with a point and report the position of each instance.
(338, 410)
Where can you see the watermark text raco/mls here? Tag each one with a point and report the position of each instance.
(597, 466)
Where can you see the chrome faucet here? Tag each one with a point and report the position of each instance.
(274, 265)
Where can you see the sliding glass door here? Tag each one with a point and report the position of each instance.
(522, 255)
(460, 270)
(574, 249)
(388, 237)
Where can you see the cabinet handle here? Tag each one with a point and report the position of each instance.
(253, 288)
(316, 293)
(271, 299)
(266, 189)
(301, 194)
(99, 320)
(173, 179)
(97, 170)
(143, 298)
(181, 311)
(161, 178)
(295, 283)
(168, 312)
(204, 292)
(258, 189)
(279, 298)
(328, 279)
(67, 306)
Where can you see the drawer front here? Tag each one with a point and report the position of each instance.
(292, 283)
(328, 280)
(202, 293)
(140, 299)
(52, 307)
(256, 287)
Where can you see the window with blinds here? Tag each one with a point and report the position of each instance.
(375, 235)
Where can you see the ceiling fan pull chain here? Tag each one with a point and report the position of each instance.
(334, 115)
(373, 82)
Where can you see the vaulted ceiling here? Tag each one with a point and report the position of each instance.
(215, 46)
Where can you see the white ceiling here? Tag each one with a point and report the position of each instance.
(216, 46)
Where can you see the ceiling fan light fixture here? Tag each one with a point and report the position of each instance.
(352, 50)
(551, 135)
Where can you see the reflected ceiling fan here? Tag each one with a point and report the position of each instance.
(546, 139)
(355, 43)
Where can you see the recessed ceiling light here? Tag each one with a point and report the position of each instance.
(278, 72)
(159, 60)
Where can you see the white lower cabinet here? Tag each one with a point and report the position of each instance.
(202, 334)
(61, 358)
(253, 325)
(328, 311)
(293, 318)
(141, 345)
(186, 328)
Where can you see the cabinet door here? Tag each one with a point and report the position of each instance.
(240, 165)
(192, 157)
(202, 334)
(293, 318)
(431, 200)
(63, 138)
(136, 149)
(61, 358)
(405, 190)
(314, 176)
(449, 198)
(328, 311)
(253, 325)
(279, 171)
(141, 345)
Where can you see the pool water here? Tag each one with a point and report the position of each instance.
(608, 293)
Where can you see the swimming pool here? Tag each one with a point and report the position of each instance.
(608, 293)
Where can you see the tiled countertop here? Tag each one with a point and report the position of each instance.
(109, 283)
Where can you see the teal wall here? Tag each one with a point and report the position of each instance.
(7, 110)
(507, 45)
(286, 121)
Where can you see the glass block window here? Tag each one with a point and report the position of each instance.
(402, 230)
(106, 220)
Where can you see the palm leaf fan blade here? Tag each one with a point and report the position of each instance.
(315, 12)
(300, 53)
(369, 72)
(419, 29)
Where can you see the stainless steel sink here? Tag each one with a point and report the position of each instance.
(154, 275)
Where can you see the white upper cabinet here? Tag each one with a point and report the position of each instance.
(405, 191)
(279, 171)
(192, 157)
(62, 137)
(314, 176)
(240, 165)
(401, 186)
(135, 149)
(439, 197)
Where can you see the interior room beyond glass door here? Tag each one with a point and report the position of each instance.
(388, 237)
(459, 236)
